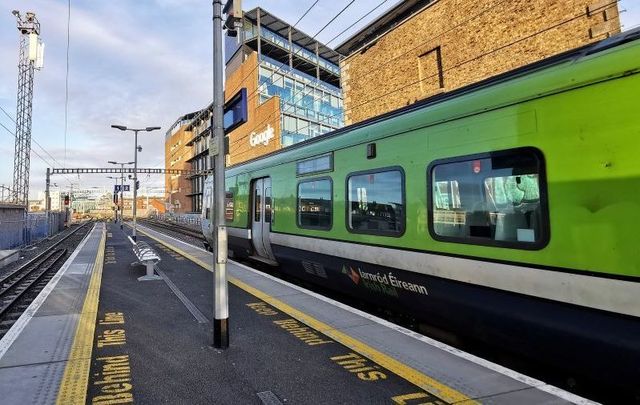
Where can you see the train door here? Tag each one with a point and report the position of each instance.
(261, 217)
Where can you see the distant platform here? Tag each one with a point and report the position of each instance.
(8, 257)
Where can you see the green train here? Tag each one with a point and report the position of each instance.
(507, 211)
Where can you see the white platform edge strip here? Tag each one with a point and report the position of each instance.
(541, 385)
(17, 328)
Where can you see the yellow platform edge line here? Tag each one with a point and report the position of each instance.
(415, 377)
(73, 387)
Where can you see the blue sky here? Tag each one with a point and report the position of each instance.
(136, 63)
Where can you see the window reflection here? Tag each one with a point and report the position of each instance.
(497, 199)
(315, 204)
(309, 107)
(376, 202)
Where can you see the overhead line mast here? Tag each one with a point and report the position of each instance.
(30, 59)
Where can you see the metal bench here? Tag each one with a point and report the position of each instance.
(147, 257)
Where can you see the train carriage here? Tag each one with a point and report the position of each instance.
(507, 211)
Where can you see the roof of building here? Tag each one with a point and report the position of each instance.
(180, 121)
(280, 27)
(391, 18)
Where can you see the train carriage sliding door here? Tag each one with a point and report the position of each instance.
(261, 217)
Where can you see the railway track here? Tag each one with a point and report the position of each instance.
(183, 230)
(22, 285)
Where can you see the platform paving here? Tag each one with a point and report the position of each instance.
(164, 353)
(37, 350)
(99, 335)
(439, 373)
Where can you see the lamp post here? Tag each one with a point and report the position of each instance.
(121, 203)
(135, 168)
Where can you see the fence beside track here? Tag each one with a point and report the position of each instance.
(19, 228)
(21, 285)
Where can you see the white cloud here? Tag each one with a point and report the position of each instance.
(133, 63)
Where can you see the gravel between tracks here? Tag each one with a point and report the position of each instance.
(175, 233)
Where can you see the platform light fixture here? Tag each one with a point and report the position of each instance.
(137, 148)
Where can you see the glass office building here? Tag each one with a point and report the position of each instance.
(309, 107)
(269, 58)
(301, 71)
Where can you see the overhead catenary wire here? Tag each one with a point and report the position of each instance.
(387, 62)
(7, 114)
(553, 26)
(356, 22)
(556, 24)
(306, 12)
(66, 83)
(255, 67)
(34, 141)
(255, 92)
(36, 153)
(378, 68)
(384, 64)
(47, 162)
(241, 82)
(334, 18)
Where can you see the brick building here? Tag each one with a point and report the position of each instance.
(281, 88)
(420, 48)
(177, 155)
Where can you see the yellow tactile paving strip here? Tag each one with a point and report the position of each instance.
(73, 387)
(413, 376)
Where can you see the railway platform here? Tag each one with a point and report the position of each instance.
(150, 341)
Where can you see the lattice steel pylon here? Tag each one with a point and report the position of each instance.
(30, 58)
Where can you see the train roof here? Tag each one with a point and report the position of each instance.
(558, 67)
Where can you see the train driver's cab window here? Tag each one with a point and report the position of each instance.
(315, 204)
(376, 202)
(494, 199)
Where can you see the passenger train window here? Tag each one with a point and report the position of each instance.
(315, 204)
(376, 202)
(257, 204)
(498, 198)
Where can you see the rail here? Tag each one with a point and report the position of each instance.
(19, 285)
(171, 226)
